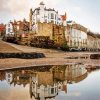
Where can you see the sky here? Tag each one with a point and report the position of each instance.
(84, 12)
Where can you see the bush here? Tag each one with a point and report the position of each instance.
(65, 47)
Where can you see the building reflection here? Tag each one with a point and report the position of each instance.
(45, 84)
(2, 76)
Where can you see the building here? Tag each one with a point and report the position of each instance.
(53, 31)
(2, 29)
(42, 14)
(76, 35)
(93, 41)
(73, 73)
(19, 27)
(2, 76)
(9, 28)
(43, 88)
(56, 80)
(47, 24)
(9, 77)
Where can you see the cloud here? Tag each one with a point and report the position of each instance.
(19, 9)
(14, 6)
(80, 11)
(16, 9)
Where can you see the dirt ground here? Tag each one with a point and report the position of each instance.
(4, 47)
(53, 57)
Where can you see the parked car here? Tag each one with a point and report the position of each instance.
(74, 49)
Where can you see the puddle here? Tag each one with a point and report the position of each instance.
(71, 82)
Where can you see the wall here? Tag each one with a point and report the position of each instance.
(55, 32)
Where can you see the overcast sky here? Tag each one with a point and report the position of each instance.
(85, 12)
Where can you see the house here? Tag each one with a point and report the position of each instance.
(2, 76)
(21, 26)
(9, 28)
(76, 35)
(93, 43)
(2, 29)
(17, 27)
(9, 77)
(42, 87)
(42, 14)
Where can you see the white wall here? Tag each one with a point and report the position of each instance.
(9, 29)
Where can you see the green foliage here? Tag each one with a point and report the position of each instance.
(65, 47)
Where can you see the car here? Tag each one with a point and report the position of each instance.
(75, 49)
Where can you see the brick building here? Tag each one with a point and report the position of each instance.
(2, 29)
(17, 27)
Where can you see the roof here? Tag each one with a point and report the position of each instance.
(49, 9)
(91, 34)
(78, 26)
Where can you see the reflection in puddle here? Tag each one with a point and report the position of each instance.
(45, 82)
(49, 84)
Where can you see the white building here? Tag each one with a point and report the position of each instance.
(9, 28)
(9, 77)
(47, 90)
(76, 35)
(42, 14)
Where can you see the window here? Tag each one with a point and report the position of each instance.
(8, 80)
(52, 16)
(48, 16)
(8, 29)
(52, 90)
(59, 19)
(55, 90)
(8, 25)
(45, 16)
(9, 75)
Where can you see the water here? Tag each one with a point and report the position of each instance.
(70, 82)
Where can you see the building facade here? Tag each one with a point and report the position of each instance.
(2, 29)
(76, 35)
(9, 28)
(93, 41)
(53, 31)
(42, 14)
(15, 27)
